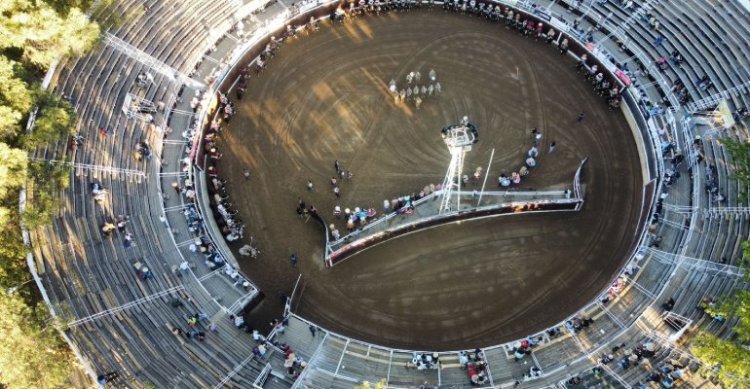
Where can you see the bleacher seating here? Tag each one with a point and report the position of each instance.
(123, 323)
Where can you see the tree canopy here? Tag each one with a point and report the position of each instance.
(12, 169)
(55, 119)
(15, 98)
(45, 31)
(368, 385)
(740, 153)
(33, 358)
(729, 358)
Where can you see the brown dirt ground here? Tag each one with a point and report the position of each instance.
(462, 285)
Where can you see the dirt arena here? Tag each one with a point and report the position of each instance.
(324, 97)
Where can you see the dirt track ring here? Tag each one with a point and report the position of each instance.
(437, 297)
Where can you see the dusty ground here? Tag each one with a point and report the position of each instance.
(324, 97)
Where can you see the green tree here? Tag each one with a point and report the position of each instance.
(15, 99)
(729, 359)
(64, 6)
(740, 153)
(46, 180)
(738, 304)
(12, 253)
(9, 121)
(368, 385)
(12, 169)
(41, 33)
(13, 174)
(30, 351)
(55, 119)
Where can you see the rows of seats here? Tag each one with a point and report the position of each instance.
(174, 32)
(118, 320)
(709, 45)
(87, 273)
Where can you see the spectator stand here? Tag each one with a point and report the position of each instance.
(124, 315)
(71, 254)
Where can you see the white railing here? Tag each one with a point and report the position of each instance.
(128, 305)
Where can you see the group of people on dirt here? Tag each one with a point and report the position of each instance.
(416, 91)
(353, 218)
(530, 162)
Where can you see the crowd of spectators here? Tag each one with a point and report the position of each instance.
(624, 358)
(293, 363)
(231, 226)
(196, 327)
(476, 367)
(578, 324)
(424, 361)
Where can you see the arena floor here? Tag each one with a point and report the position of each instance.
(324, 97)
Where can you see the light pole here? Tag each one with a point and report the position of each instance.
(458, 138)
(13, 289)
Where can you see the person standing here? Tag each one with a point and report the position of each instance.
(563, 46)
(581, 115)
(337, 191)
(293, 259)
(552, 147)
(537, 136)
(581, 63)
(337, 166)
(106, 378)
(309, 185)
